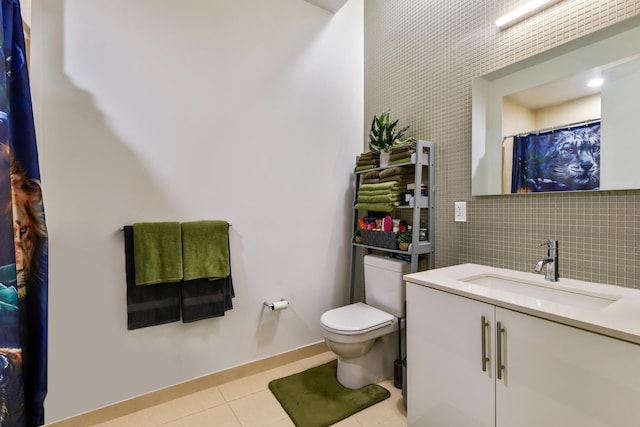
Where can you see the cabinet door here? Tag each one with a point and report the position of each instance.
(556, 375)
(446, 385)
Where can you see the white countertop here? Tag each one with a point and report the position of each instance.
(619, 319)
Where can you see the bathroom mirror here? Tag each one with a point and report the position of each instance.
(546, 98)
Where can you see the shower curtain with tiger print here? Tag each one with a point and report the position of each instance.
(23, 239)
(558, 160)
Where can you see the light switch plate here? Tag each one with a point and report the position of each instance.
(461, 211)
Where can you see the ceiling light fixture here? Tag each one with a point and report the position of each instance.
(597, 82)
(530, 8)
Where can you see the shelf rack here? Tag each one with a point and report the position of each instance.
(423, 161)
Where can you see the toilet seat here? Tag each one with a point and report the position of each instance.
(355, 319)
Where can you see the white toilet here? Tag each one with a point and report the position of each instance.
(365, 336)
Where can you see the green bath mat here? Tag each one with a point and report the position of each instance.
(315, 398)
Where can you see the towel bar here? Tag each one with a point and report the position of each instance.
(123, 226)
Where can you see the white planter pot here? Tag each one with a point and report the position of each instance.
(384, 159)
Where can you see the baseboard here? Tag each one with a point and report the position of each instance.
(157, 397)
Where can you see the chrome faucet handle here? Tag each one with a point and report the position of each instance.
(552, 247)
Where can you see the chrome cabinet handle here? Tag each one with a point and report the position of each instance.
(483, 326)
(499, 365)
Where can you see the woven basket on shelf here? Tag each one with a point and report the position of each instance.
(381, 239)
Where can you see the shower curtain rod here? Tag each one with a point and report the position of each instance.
(551, 129)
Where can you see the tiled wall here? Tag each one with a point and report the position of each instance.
(420, 58)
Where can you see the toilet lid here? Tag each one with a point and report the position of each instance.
(355, 318)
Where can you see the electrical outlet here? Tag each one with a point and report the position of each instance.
(461, 211)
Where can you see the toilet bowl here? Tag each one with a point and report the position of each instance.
(362, 335)
(363, 338)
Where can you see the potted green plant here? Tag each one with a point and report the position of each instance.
(404, 240)
(357, 236)
(382, 135)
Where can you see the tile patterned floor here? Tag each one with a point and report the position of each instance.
(248, 402)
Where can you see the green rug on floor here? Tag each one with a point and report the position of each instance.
(315, 398)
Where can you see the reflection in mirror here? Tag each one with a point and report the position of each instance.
(551, 137)
(538, 125)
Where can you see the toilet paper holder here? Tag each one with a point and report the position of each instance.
(277, 305)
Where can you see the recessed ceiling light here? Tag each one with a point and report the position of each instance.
(530, 8)
(595, 82)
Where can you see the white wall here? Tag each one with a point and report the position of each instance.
(25, 9)
(148, 110)
(576, 110)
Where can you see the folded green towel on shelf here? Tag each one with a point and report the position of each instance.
(157, 252)
(370, 181)
(364, 168)
(377, 192)
(400, 161)
(371, 175)
(391, 185)
(401, 155)
(404, 145)
(377, 207)
(205, 249)
(389, 198)
(366, 162)
(403, 179)
(398, 170)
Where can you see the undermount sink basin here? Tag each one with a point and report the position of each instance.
(543, 294)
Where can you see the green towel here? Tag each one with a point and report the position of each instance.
(388, 198)
(371, 175)
(398, 170)
(157, 248)
(400, 161)
(377, 207)
(370, 181)
(401, 179)
(391, 186)
(378, 192)
(205, 249)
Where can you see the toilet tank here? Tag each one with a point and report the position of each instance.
(383, 284)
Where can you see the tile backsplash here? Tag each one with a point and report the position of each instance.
(420, 59)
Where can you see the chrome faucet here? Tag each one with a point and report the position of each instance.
(552, 270)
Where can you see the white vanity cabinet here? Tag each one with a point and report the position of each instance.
(445, 383)
(553, 375)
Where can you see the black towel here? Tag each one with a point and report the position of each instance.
(204, 298)
(148, 305)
